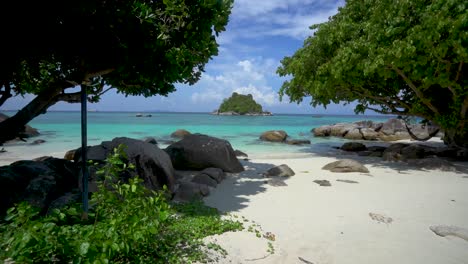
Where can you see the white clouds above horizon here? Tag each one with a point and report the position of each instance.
(249, 76)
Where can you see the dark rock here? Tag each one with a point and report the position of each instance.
(65, 200)
(274, 136)
(150, 140)
(38, 182)
(139, 115)
(198, 151)
(215, 173)
(188, 191)
(346, 181)
(393, 152)
(280, 171)
(297, 141)
(345, 165)
(240, 154)
(38, 141)
(152, 164)
(376, 148)
(205, 179)
(180, 133)
(415, 151)
(148, 115)
(353, 146)
(432, 164)
(324, 183)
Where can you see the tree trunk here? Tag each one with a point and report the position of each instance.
(457, 139)
(13, 127)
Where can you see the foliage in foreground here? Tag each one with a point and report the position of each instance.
(241, 104)
(406, 57)
(127, 224)
(139, 47)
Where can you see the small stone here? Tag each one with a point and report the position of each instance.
(324, 183)
(381, 218)
(347, 181)
(38, 141)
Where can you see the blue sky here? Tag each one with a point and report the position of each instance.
(258, 36)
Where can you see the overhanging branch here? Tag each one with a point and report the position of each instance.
(415, 89)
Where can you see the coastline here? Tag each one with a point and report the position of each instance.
(333, 224)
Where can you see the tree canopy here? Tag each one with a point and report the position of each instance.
(406, 58)
(241, 104)
(139, 47)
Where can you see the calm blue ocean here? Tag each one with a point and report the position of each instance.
(61, 130)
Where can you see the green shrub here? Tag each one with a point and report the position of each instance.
(127, 223)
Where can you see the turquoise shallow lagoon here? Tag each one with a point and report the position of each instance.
(61, 130)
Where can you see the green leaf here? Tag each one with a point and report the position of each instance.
(84, 247)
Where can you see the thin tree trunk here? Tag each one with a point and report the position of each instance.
(14, 126)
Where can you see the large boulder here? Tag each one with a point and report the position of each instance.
(37, 181)
(353, 146)
(369, 134)
(187, 191)
(274, 136)
(180, 133)
(432, 163)
(392, 126)
(240, 154)
(416, 151)
(279, 171)
(393, 152)
(341, 129)
(323, 131)
(205, 179)
(152, 164)
(354, 134)
(345, 165)
(198, 152)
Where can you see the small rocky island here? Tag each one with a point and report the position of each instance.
(239, 104)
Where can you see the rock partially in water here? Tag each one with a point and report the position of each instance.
(150, 140)
(274, 136)
(297, 142)
(240, 154)
(180, 133)
(353, 146)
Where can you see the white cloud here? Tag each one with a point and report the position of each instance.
(291, 18)
(249, 76)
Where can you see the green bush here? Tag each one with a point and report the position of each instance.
(127, 223)
(241, 104)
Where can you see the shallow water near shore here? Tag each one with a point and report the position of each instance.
(61, 130)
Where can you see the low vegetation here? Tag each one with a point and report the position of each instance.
(241, 104)
(127, 223)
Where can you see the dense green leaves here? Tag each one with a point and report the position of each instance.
(148, 45)
(406, 57)
(127, 224)
(241, 104)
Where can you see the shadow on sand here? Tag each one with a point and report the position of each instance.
(238, 188)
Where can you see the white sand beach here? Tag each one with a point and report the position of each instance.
(338, 224)
(315, 224)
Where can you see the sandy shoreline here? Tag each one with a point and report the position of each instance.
(333, 224)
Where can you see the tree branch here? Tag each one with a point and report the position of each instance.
(5, 94)
(69, 97)
(413, 136)
(90, 75)
(460, 66)
(415, 89)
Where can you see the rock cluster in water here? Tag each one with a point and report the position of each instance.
(391, 130)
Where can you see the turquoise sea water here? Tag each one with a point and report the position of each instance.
(61, 130)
